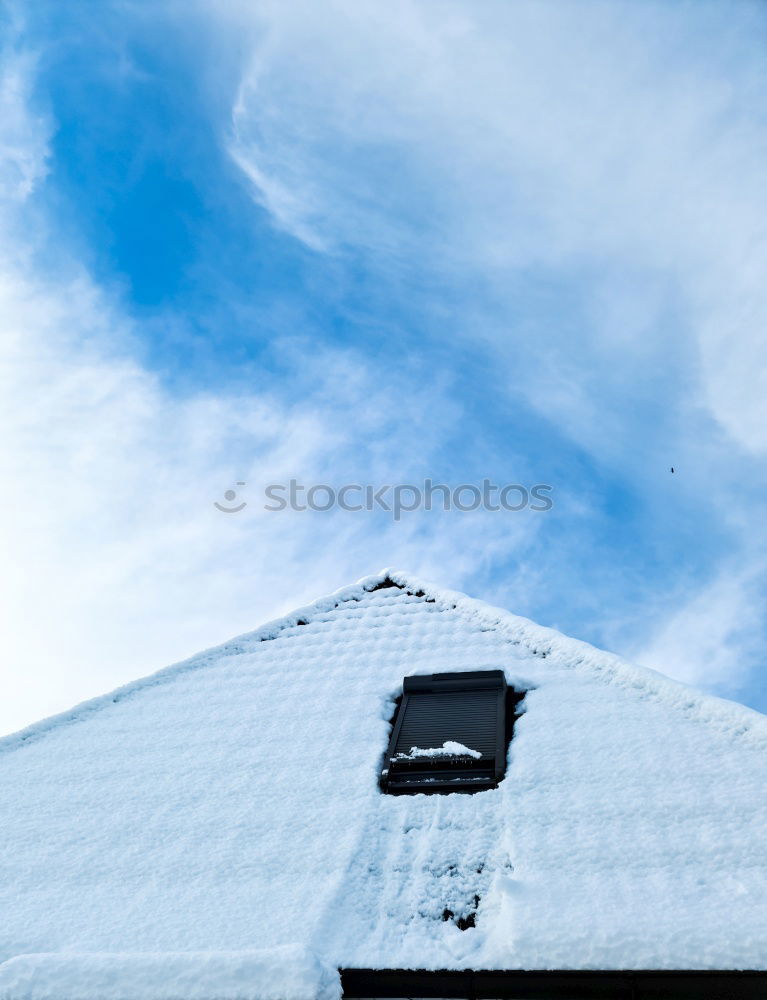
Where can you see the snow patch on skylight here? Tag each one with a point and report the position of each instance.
(448, 749)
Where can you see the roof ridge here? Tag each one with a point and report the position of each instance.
(540, 640)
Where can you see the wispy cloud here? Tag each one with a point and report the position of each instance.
(623, 142)
(116, 560)
(23, 134)
(606, 154)
(711, 637)
(565, 197)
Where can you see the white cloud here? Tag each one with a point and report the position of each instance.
(614, 149)
(116, 561)
(710, 638)
(486, 139)
(23, 134)
(502, 137)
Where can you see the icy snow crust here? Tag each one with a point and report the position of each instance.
(230, 803)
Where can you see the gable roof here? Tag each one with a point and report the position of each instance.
(232, 799)
(539, 640)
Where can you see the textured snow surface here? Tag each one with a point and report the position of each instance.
(288, 973)
(448, 749)
(231, 803)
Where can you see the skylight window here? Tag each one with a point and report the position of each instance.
(449, 734)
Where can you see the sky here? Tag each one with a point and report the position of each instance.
(365, 243)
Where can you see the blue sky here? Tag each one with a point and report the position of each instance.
(355, 242)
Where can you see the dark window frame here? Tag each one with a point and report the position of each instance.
(443, 775)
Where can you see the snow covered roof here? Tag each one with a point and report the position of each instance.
(228, 807)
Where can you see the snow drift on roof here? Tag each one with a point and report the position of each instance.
(288, 973)
(233, 800)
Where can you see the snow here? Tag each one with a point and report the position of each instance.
(190, 812)
(448, 749)
(288, 973)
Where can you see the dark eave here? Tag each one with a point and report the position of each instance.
(556, 985)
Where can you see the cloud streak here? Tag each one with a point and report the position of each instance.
(532, 136)
(606, 153)
(558, 208)
(116, 560)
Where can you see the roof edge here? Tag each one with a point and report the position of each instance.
(641, 984)
(729, 716)
(233, 646)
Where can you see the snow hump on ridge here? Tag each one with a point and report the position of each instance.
(728, 716)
